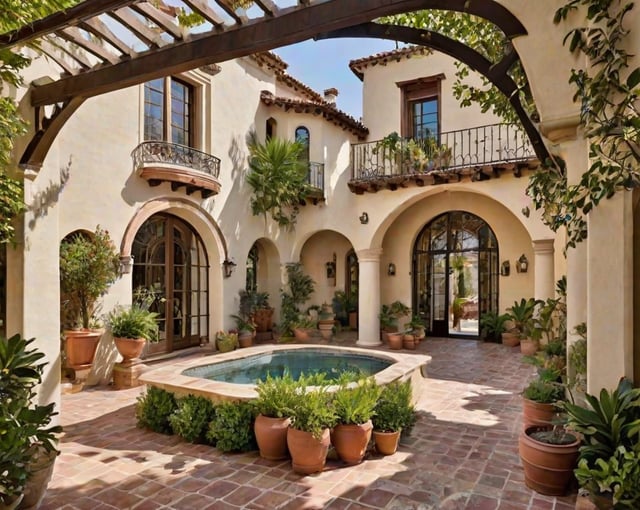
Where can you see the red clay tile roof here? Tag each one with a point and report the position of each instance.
(357, 66)
(279, 66)
(327, 110)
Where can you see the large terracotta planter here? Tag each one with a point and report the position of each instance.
(350, 441)
(528, 346)
(263, 319)
(129, 348)
(308, 454)
(386, 442)
(537, 413)
(271, 435)
(301, 334)
(80, 347)
(41, 468)
(510, 339)
(326, 329)
(245, 339)
(548, 468)
(409, 342)
(395, 340)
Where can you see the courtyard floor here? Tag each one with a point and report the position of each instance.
(462, 453)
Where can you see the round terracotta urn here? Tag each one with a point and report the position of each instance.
(129, 348)
(386, 442)
(308, 454)
(271, 436)
(350, 441)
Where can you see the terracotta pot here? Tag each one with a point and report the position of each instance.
(301, 334)
(326, 329)
(12, 503)
(308, 454)
(386, 442)
(263, 319)
(129, 348)
(409, 342)
(353, 320)
(271, 435)
(245, 338)
(548, 468)
(537, 413)
(510, 339)
(350, 441)
(528, 346)
(80, 347)
(419, 333)
(395, 340)
(41, 468)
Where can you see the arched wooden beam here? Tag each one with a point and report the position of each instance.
(496, 73)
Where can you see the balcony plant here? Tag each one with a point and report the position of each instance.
(394, 411)
(132, 327)
(27, 439)
(354, 407)
(308, 437)
(89, 264)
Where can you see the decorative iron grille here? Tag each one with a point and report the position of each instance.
(466, 148)
(315, 175)
(175, 154)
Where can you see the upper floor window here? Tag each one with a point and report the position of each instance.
(302, 137)
(271, 127)
(168, 111)
(421, 107)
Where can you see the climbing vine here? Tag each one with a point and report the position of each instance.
(608, 93)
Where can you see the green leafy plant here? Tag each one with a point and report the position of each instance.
(313, 411)
(24, 426)
(578, 360)
(355, 405)
(300, 286)
(389, 315)
(278, 179)
(492, 325)
(521, 314)
(231, 430)
(394, 410)
(276, 396)
(544, 392)
(89, 264)
(555, 434)
(134, 321)
(416, 322)
(244, 323)
(226, 342)
(153, 409)
(191, 418)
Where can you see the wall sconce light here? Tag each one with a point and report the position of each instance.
(391, 269)
(522, 264)
(228, 266)
(505, 268)
(331, 269)
(126, 264)
(364, 218)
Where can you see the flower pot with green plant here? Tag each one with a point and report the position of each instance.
(394, 411)
(354, 405)
(246, 330)
(262, 312)
(27, 439)
(89, 264)
(302, 327)
(132, 327)
(492, 325)
(609, 461)
(520, 315)
(416, 326)
(274, 405)
(299, 288)
(226, 342)
(308, 437)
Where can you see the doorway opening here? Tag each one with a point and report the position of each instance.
(455, 274)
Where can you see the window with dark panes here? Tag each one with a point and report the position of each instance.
(421, 108)
(168, 115)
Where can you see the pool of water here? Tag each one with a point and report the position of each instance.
(255, 368)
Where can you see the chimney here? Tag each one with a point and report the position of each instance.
(330, 95)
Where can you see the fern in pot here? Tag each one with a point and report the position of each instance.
(132, 327)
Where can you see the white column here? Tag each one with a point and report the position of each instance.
(369, 297)
(610, 292)
(543, 267)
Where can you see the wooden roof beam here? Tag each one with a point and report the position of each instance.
(239, 15)
(202, 8)
(164, 21)
(53, 52)
(100, 29)
(72, 51)
(269, 8)
(75, 36)
(139, 29)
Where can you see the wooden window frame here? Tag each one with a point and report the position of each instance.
(194, 101)
(419, 89)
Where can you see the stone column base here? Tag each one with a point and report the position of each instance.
(125, 375)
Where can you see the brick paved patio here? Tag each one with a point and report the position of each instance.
(462, 453)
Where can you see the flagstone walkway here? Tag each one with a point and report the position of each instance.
(462, 453)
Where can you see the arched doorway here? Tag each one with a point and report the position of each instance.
(455, 274)
(170, 261)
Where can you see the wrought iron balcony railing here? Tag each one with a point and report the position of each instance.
(315, 175)
(478, 147)
(175, 154)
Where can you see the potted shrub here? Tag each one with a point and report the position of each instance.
(27, 440)
(246, 330)
(609, 461)
(262, 312)
(226, 342)
(302, 327)
(346, 305)
(132, 327)
(492, 325)
(539, 402)
(231, 428)
(549, 454)
(393, 412)
(354, 407)
(416, 325)
(89, 264)
(300, 286)
(389, 315)
(274, 405)
(520, 314)
(308, 437)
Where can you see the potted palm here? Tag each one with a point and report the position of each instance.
(394, 411)
(246, 329)
(27, 440)
(89, 264)
(520, 315)
(274, 405)
(308, 437)
(354, 407)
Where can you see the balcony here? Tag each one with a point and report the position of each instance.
(180, 165)
(476, 154)
(315, 178)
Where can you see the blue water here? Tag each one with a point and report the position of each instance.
(256, 368)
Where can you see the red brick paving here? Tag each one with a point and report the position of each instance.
(462, 453)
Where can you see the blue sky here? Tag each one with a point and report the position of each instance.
(325, 64)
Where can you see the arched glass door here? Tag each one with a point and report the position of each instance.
(170, 262)
(455, 274)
